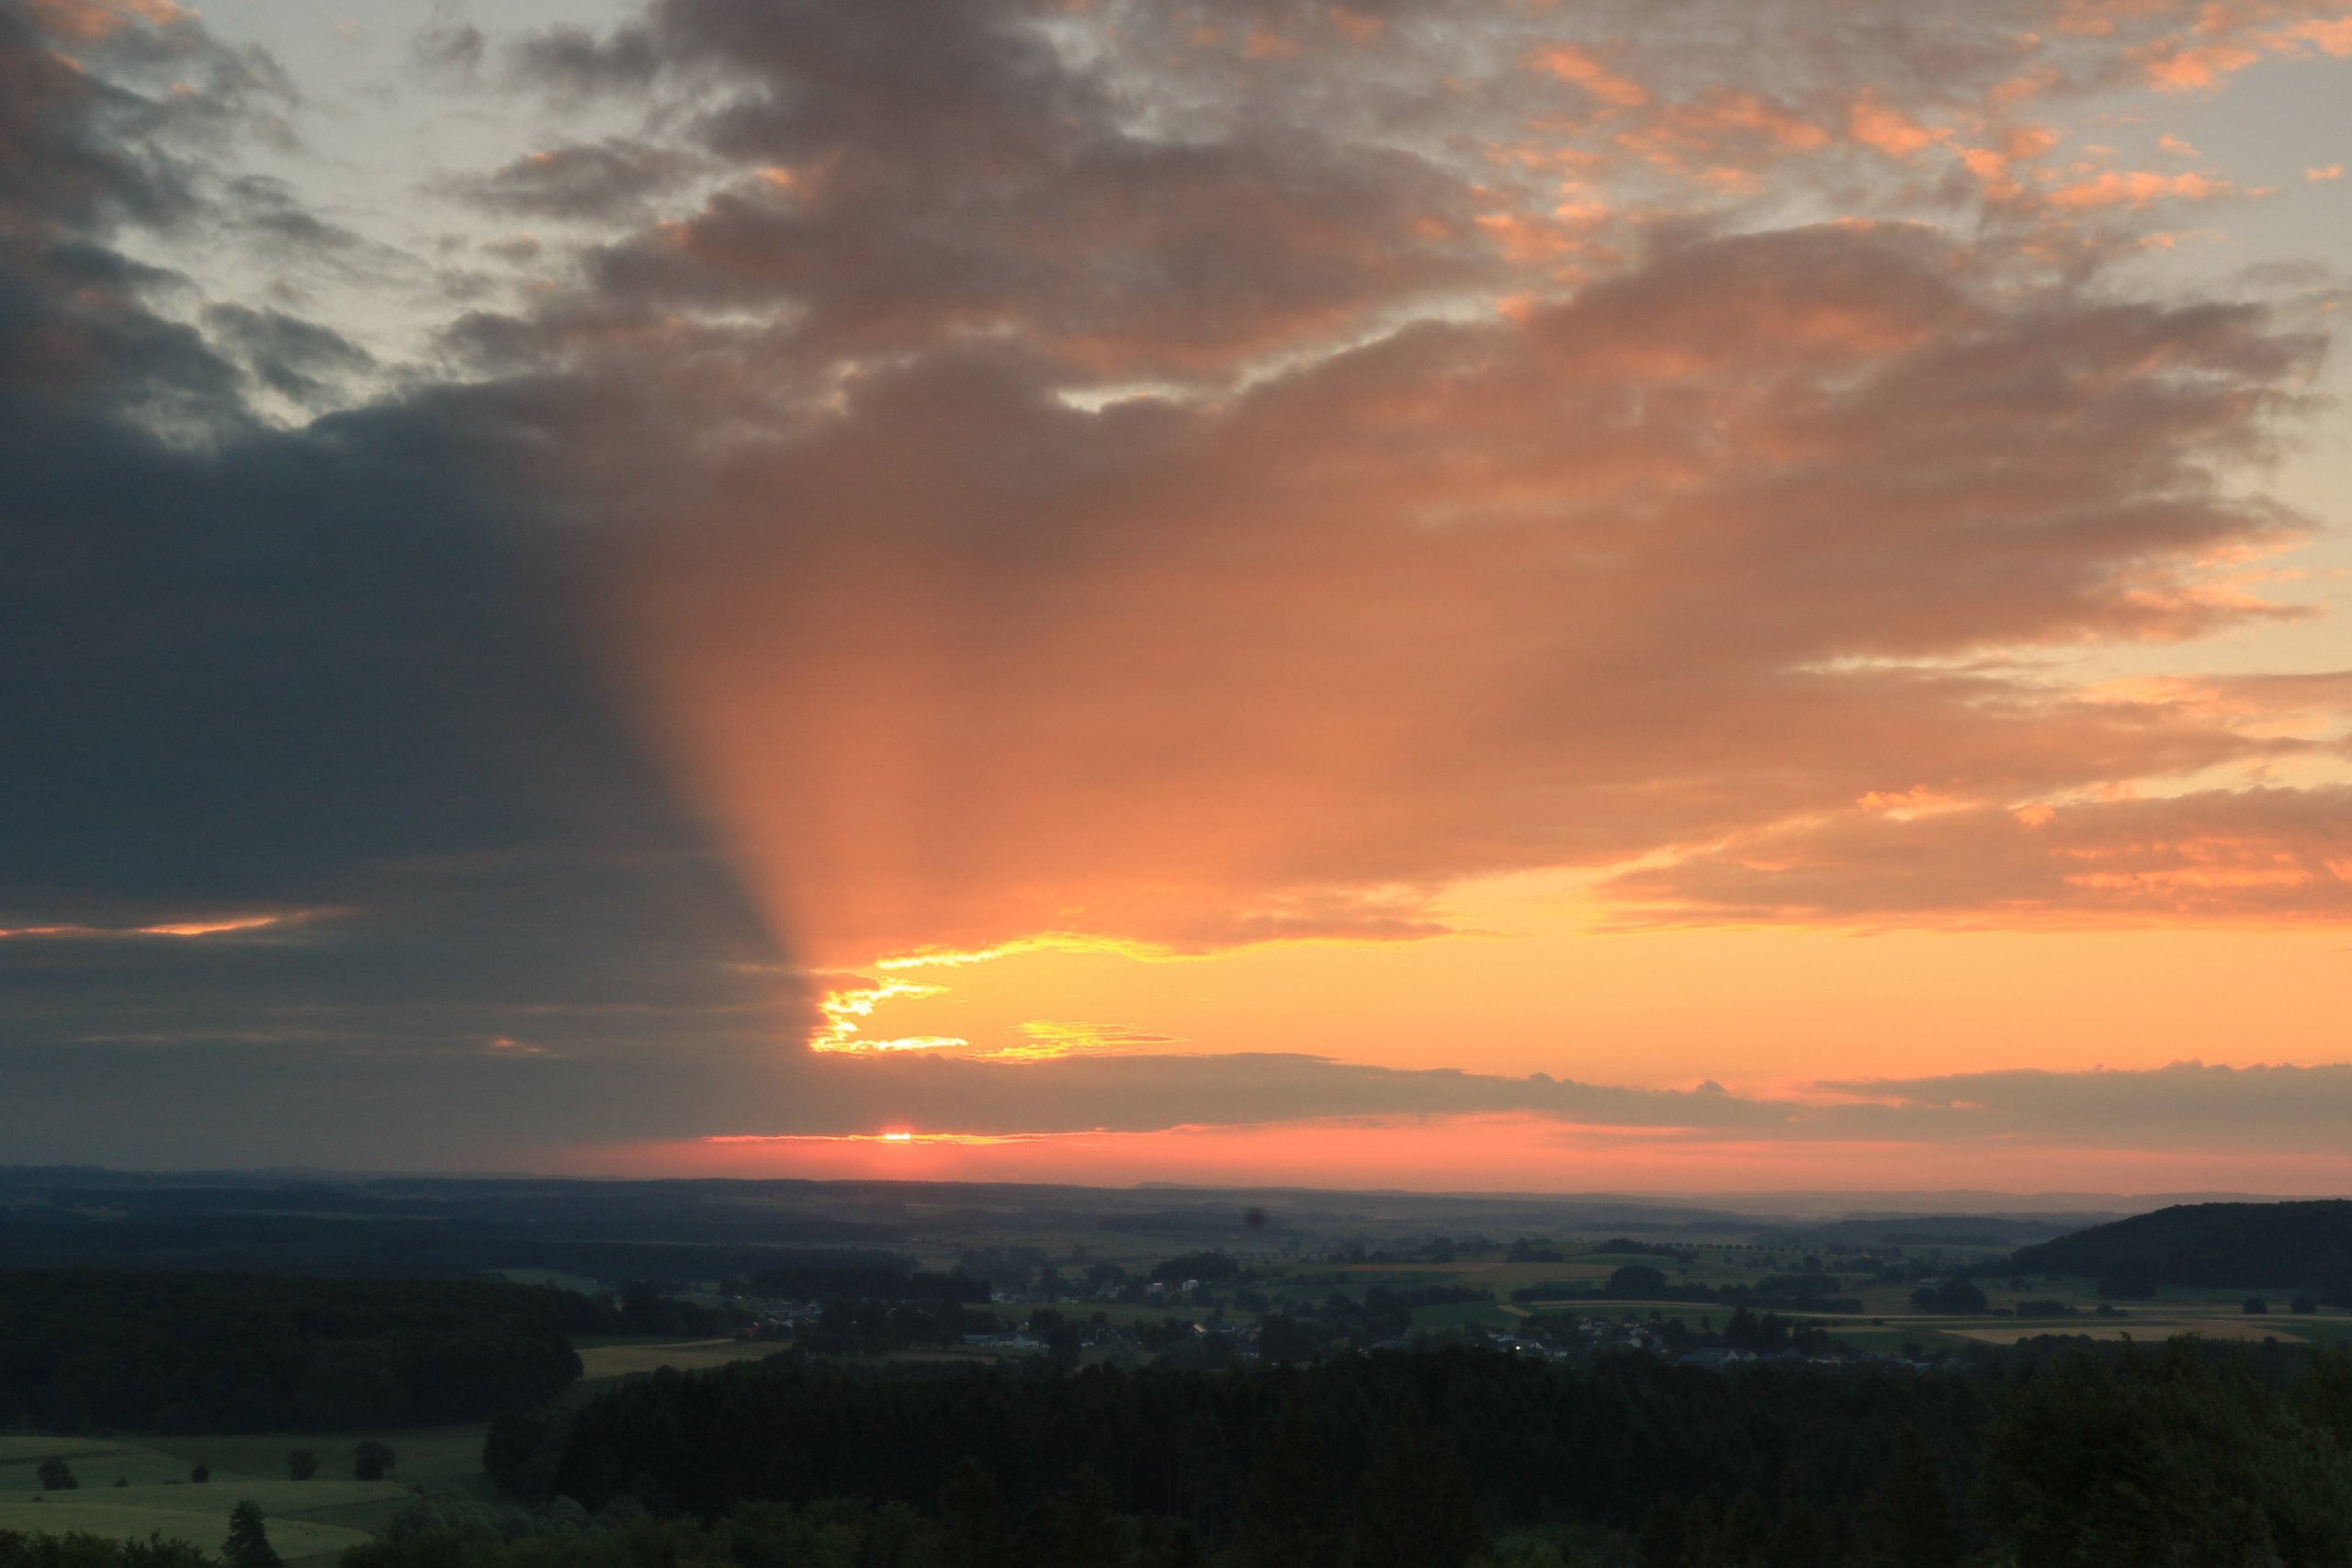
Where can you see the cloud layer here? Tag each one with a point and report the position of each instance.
(941, 474)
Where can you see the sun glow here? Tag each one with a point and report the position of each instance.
(1048, 942)
(844, 1009)
(946, 1140)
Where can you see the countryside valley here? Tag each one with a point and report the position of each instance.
(451, 1372)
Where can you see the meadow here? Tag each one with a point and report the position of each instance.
(310, 1521)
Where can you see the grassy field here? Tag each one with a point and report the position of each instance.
(315, 1520)
(687, 1356)
(95, 1461)
(133, 1514)
(311, 1522)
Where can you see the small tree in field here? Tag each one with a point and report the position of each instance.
(371, 1459)
(56, 1476)
(301, 1464)
(248, 1543)
(200, 1474)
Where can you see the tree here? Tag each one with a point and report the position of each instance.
(371, 1459)
(971, 1518)
(248, 1543)
(2161, 1461)
(1957, 1294)
(349, 1382)
(1664, 1540)
(200, 1474)
(56, 1476)
(2255, 1304)
(301, 1464)
(1912, 1513)
(1415, 1507)
(1636, 1281)
(1072, 1526)
(1290, 1513)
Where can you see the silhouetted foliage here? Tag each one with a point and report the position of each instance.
(2172, 1462)
(75, 1549)
(2302, 1245)
(248, 1543)
(243, 1353)
(1290, 1515)
(1265, 1459)
(1956, 1295)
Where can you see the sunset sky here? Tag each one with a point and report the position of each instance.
(1718, 596)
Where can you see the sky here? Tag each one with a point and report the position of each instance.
(1719, 596)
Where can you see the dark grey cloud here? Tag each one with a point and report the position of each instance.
(318, 826)
(2280, 1108)
(912, 172)
(338, 839)
(2187, 1106)
(298, 359)
(1144, 1092)
(604, 179)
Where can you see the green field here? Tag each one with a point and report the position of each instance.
(306, 1518)
(313, 1520)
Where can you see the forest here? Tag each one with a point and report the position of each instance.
(2052, 1454)
(2292, 1246)
(202, 1352)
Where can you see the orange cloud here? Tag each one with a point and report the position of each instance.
(2262, 854)
(223, 925)
(2329, 36)
(92, 19)
(1476, 599)
(1876, 124)
(1578, 68)
(2138, 189)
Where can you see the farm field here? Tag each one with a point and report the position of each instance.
(310, 1522)
(687, 1356)
(315, 1519)
(95, 1461)
(445, 1459)
(136, 1517)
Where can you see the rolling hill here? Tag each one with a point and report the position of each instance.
(2292, 1246)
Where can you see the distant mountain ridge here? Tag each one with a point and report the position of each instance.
(2288, 1245)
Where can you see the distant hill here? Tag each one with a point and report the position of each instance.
(2300, 1246)
(1929, 1230)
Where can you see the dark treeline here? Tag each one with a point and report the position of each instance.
(2293, 1246)
(706, 1230)
(1544, 1443)
(1303, 1330)
(1644, 1283)
(2050, 1456)
(356, 1244)
(865, 1276)
(198, 1352)
(75, 1548)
